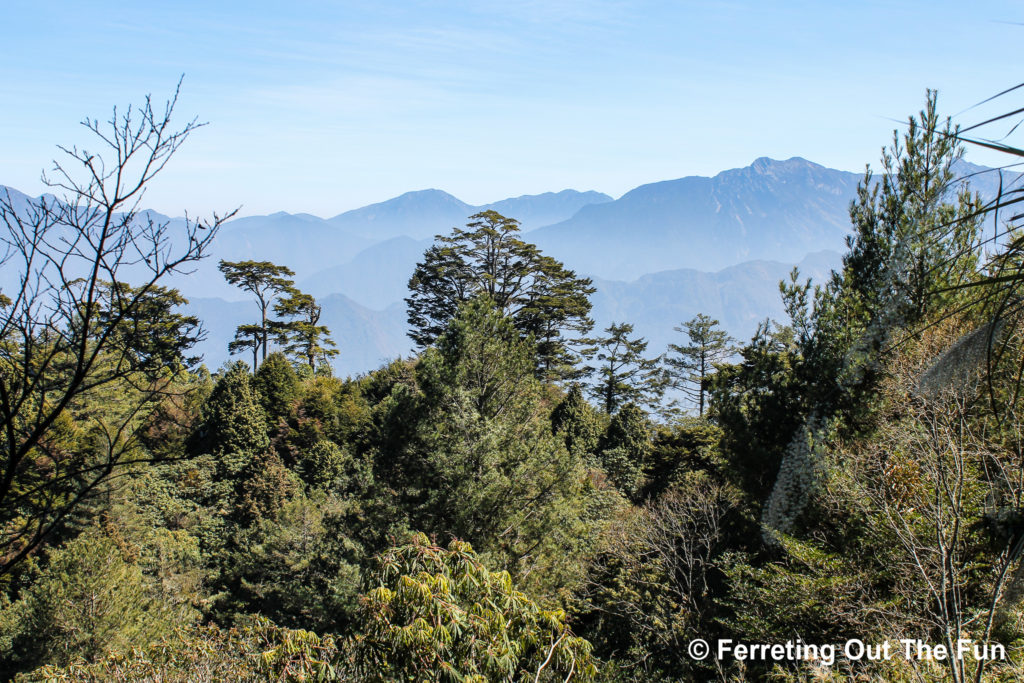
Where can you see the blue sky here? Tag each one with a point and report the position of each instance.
(324, 107)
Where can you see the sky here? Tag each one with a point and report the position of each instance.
(322, 107)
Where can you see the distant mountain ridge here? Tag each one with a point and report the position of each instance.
(739, 297)
(776, 210)
(659, 254)
(425, 213)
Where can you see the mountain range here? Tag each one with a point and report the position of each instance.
(658, 254)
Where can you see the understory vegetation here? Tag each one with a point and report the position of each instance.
(526, 498)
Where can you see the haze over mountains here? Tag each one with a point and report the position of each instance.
(659, 254)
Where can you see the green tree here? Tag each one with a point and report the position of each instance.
(541, 296)
(266, 281)
(688, 445)
(623, 374)
(301, 335)
(88, 599)
(439, 614)
(759, 406)
(915, 238)
(234, 427)
(256, 650)
(277, 386)
(690, 366)
(579, 424)
(247, 336)
(297, 565)
(652, 585)
(72, 327)
(625, 448)
(235, 478)
(473, 454)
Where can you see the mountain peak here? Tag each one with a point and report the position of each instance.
(431, 193)
(764, 164)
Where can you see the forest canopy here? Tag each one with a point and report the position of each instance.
(522, 499)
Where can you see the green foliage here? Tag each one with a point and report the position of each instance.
(277, 386)
(625, 447)
(758, 405)
(690, 367)
(439, 614)
(543, 299)
(297, 566)
(475, 456)
(330, 467)
(234, 427)
(691, 445)
(623, 375)
(257, 650)
(652, 585)
(75, 333)
(237, 477)
(265, 281)
(579, 424)
(301, 336)
(262, 487)
(89, 598)
(151, 331)
(915, 237)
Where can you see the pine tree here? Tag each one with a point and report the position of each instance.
(691, 365)
(300, 334)
(578, 423)
(474, 455)
(915, 237)
(234, 428)
(625, 448)
(623, 374)
(90, 598)
(277, 387)
(540, 296)
(266, 281)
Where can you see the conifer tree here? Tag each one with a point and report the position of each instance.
(915, 236)
(578, 423)
(277, 387)
(625, 448)
(300, 333)
(234, 428)
(690, 366)
(623, 374)
(266, 281)
(476, 457)
(541, 296)
(90, 598)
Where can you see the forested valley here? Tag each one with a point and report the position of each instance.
(526, 498)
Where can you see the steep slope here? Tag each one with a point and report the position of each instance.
(776, 210)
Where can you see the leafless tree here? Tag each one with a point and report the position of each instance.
(72, 328)
(936, 479)
(653, 576)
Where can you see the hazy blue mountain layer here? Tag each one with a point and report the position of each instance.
(366, 338)
(777, 210)
(659, 254)
(739, 296)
